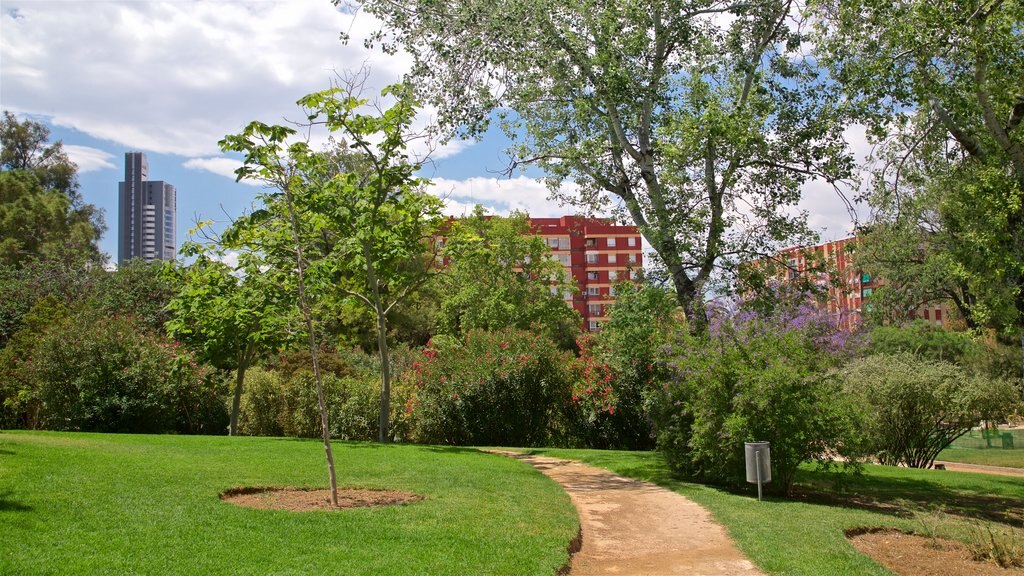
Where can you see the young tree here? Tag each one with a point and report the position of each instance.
(701, 121)
(231, 315)
(361, 223)
(500, 275)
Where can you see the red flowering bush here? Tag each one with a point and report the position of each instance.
(508, 387)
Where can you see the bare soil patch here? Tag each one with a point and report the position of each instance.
(912, 555)
(307, 499)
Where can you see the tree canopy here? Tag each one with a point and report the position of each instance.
(699, 122)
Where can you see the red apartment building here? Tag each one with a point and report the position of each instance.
(848, 304)
(597, 253)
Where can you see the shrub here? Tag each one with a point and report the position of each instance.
(284, 403)
(756, 378)
(98, 374)
(915, 407)
(508, 388)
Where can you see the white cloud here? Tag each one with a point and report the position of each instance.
(174, 77)
(501, 195)
(89, 159)
(219, 165)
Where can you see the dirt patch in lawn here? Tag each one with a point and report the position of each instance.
(306, 499)
(912, 555)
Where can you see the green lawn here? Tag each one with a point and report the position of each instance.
(805, 535)
(991, 457)
(120, 504)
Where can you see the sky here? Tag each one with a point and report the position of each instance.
(172, 78)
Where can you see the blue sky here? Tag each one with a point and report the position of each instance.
(170, 78)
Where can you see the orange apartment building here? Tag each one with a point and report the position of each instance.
(848, 304)
(597, 253)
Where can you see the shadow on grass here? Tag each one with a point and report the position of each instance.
(900, 496)
(6, 453)
(9, 505)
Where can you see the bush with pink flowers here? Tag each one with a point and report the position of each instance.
(503, 388)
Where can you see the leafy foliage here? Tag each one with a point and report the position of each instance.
(699, 121)
(113, 376)
(500, 275)
(502, 388)
(756, 378)
(41, 213)
(915, 407)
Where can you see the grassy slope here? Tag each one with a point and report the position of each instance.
(805, 536)
(118, 504)
(991, 457)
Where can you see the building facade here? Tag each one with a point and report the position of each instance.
(596, 253)
(849, 302)
(146, 214)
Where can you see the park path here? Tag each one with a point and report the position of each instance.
(634, 528)
(981, 468)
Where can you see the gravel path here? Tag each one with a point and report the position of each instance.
(634, 528)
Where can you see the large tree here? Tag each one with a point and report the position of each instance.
(41, 213)
(700, 121)
(941, 86)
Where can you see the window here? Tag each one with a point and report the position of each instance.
(552, 242)
(938, 316)
(591, 257)
(631, 241)
(865, 278)
(567, 295)
(593, 309)
(590, 242)
(611, 242)
(593, 291)
(613, 275)
(563, 259)
(866, 292)
(591, 275)
(593, 325)
(611, 290)
(611, 258)
(927, 315)
(632, 258)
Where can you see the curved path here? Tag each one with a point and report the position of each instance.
(981, 468)
(631, 527)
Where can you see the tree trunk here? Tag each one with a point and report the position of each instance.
(307, 314)
(384, 416)
(385, 375)
(236, 401)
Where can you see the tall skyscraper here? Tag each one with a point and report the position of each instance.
(146, 214)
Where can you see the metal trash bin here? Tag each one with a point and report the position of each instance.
(758, 457)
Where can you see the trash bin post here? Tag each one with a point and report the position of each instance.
(757, 456)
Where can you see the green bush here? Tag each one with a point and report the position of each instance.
(915, 407)
(92, 373)
(283, 402)
(756, 379)
(508, 387)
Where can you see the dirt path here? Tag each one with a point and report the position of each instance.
(981, 468)
(634, 528)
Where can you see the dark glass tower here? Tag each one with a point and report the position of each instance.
(146, 214)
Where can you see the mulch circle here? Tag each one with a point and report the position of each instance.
(913, 555)
(307, 499)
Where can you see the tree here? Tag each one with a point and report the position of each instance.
(700, 121)
(939, 86)
(41, 213)
(231, 315)
(500, 275)
(25, 149)
(916, 407)
(351, 222)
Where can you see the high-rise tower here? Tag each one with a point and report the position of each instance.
(146, 214)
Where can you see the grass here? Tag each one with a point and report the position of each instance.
(121, 504)
(987, 457)
(804, 535)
